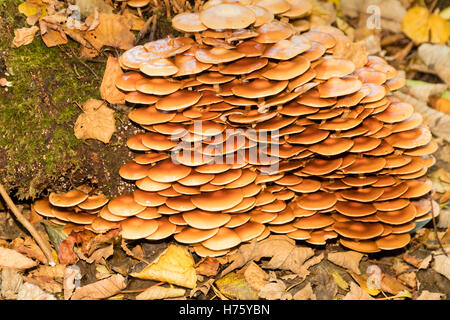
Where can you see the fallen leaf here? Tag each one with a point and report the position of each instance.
(418, 263)
(12, 259)
(353, 51)
(255, 276)
(392, 285)
(303, 271)
(55, 272)
(274, 291)
(108, 89)
(10, 284)
(29, 247)
(87, 7)
(348, 260)
(356, 293)
(158, 293)
(24, 36)
(404, 273)
(175, 265)
(305, 293)
(112, 30)
(208, 266)
(234, 286)
(203, 288)
(423, 90)
(29, 8)
(136, 22)
(324, 286)
(435, 57)
(30, 291)
(101, 289)
(371, 286)
(341, 283)
(96, 122)
(53, 38)
(427, 295)
(442, 265)
(283, 252)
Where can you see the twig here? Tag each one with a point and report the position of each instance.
(144, 30)
(153, 32)
(435, 228)
(45, 246)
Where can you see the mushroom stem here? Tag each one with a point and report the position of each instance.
(45, 246)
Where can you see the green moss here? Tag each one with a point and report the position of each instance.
(38, 112)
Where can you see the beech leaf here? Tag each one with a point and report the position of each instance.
(101, 289)
(96, 122)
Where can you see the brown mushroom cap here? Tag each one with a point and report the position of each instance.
(68, 199)
(217, 55)
(218, 200)
(124, 206)
(133, 171)
(167, 171)
(393, 241)
(159, 67)
(286, 70)
(273, 31)
(319, 237)
(332, 146)
(157, 86)
(149, 116)
(262, 15)
(148, 199)
(358, 230)
(285, 49)
(136, 228)
(397, 217)
(178, 100)
(93, 202)
(367, 194)
(317, 201)
(227, 16)
(333, 67)
(417, 188)
(366, 246)
(335, 87)
(355, 209)
(165, 229)
(192, 235)
(188, 22)
(224, 239)
(249, 231)
(306, 186)
(107, 215)
(259, 88)
(315, 221)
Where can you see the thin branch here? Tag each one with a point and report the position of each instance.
(44, 245)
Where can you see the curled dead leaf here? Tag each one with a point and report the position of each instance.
(158, 293)
(12, 259)
(101, 289)
(348, 259)
(24, 36)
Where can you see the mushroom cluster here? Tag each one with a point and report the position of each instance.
(251, 127)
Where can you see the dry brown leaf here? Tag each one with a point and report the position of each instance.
(392, 285)
(10, 284)
(203, 288)
(30, 291)
(24, 36)
(348, 260)
(12, 259)
(306, 293)
(96, 122)
(274, 291)
(136, 22)
(112, 30)
(208, 267)
(353, 51)
(255, 276)
(29, 247)
(283, 252)
(175, 265)
(356, 293)
(435, 57)
(45, 283)
(158, 293)
(442, 265)
(54, 272)
(101, 289)
(303, 271)
(108, 89)
(418, 263)
(427, 295)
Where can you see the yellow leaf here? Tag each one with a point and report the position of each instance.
(439, 29)
(362, 282)
(175, 265)
(339, 280)
(234, 286)
(422, 26)
(32, 8)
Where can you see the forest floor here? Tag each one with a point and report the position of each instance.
(43, 89)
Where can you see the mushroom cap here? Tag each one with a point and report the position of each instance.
(417, 188)
(244, 66)
(192, 235)
(204, 252)
(167, 171)
(43, 207)
(167, 47)
(157, 86)
(127, 81)
(365, 165)
(310, 136)
(134, 228)
(251, 48)
(149, 116)
(93, 202)
(335, 87)
(360, 181)
(154, 141)
(259, 88)
(205, 220)
(397, 217)
(107, 215)
(274, 6)
(273, 31)
(158, 67)
(181, 203)
(178, 100)
(225, 238)
(249, 231)
(410, 139)
(133, 171)
(355, 209)
(306, 186)
(188, 22)
(393, 241)
(217, 55)
(332, 146)
(366, 246)
(333, 67)
(218, 200)
(227, 16)
(262, 15)
(286, 48)
(101, 225)
(367, 194)
(148, 199)
(149, 213)
(286, 70)
(124, 206)
(393, 192)
(148, 184)
(317, 201)
(165, 229)
(315, 221)
(68, 199)
(187, 64)
(319, 237)
(358, 230)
